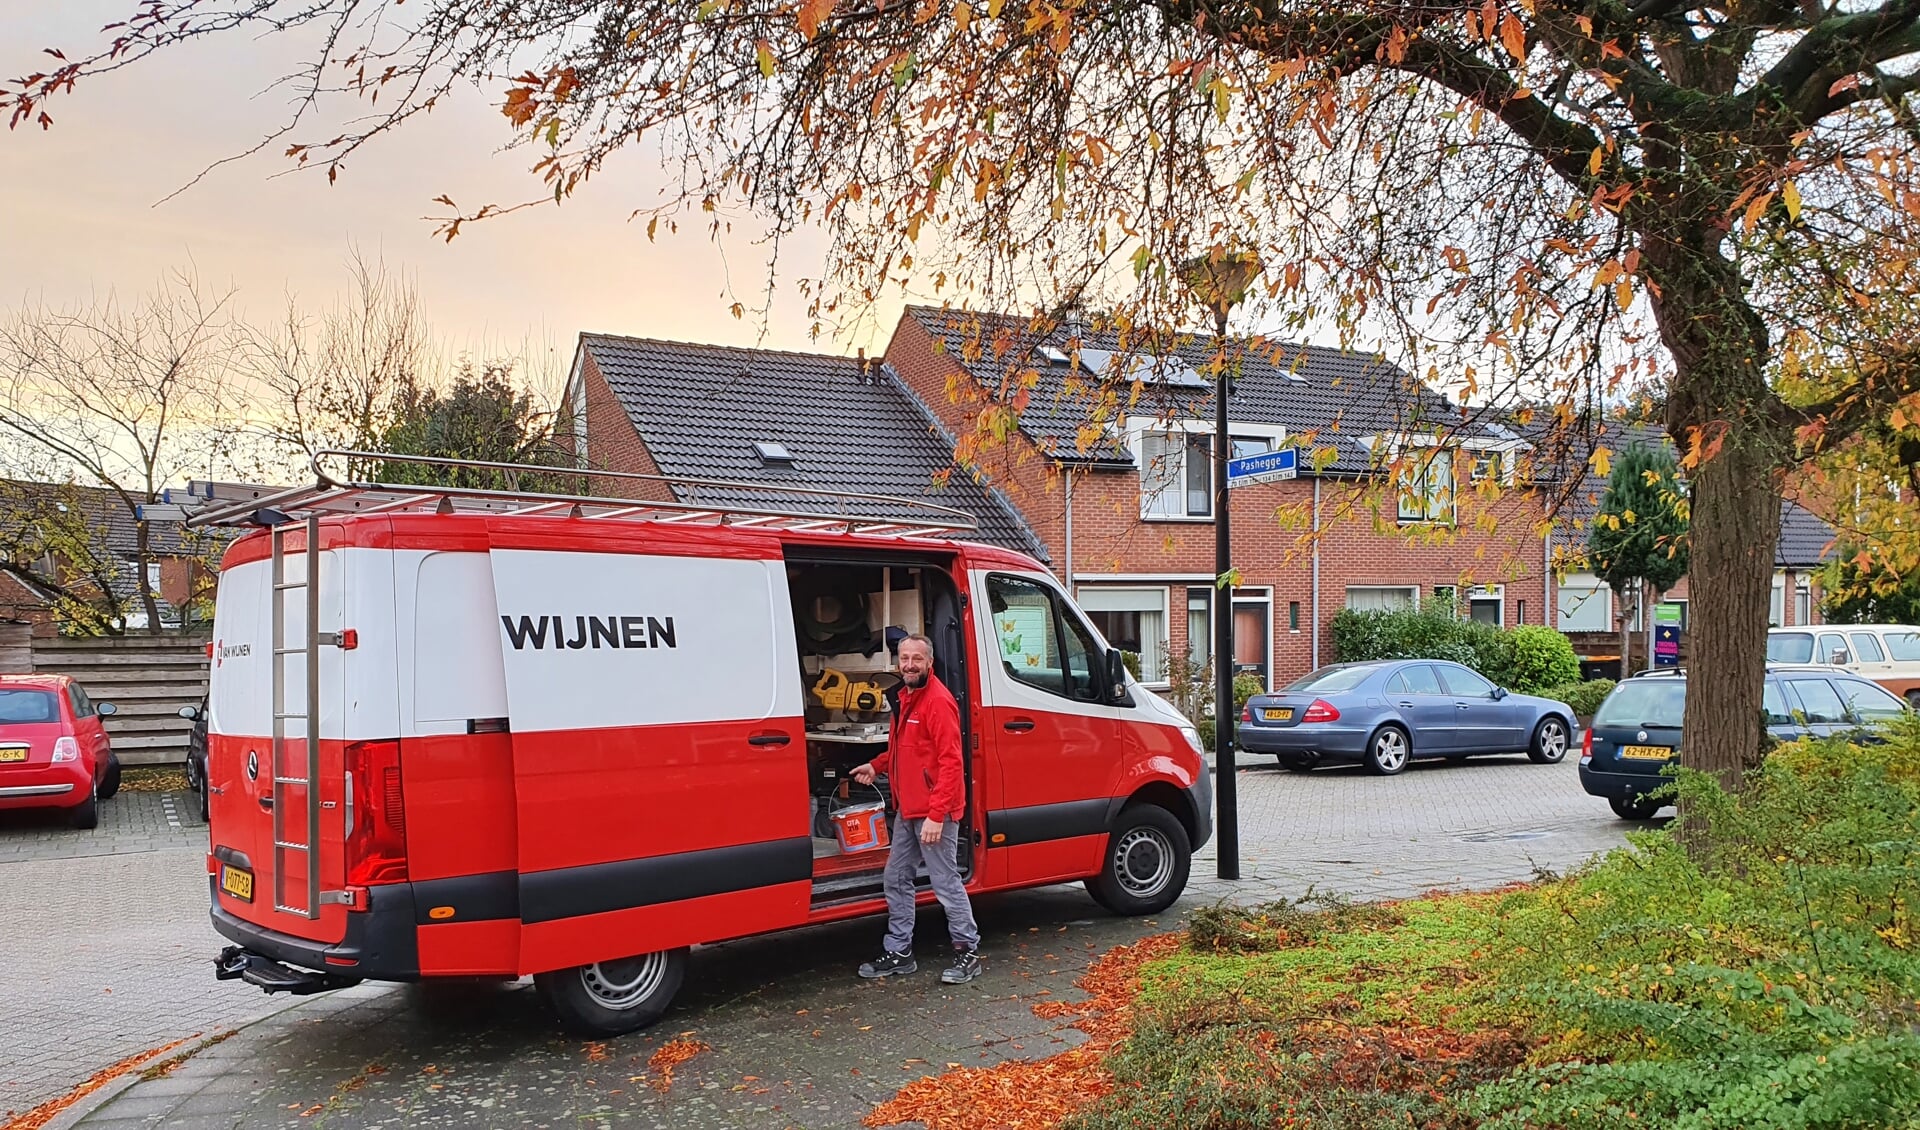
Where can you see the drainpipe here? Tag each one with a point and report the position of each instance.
(1072, 589)
(1546, 579)
(1315, 646)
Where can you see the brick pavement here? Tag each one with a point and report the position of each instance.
(823, 1048)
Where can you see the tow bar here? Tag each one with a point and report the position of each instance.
(258, 969)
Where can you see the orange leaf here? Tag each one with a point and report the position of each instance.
(812, 12)
(1514, 37)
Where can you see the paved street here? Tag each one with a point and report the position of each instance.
(794, 1039)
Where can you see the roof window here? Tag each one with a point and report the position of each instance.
(773, 454)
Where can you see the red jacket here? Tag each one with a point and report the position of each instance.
(923, 755)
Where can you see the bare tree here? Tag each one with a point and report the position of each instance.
(129, 395)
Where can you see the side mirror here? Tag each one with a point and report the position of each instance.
(189, 712)
(1499, 693)
(103, 709)
(1839, 657)
(1116, 671)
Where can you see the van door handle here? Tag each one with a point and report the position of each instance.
(1018, 725)
(769, 739)
(266, 800)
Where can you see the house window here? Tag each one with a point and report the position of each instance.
(1132, 620)
(1293, 615)
(1244, 446)
(1381, 598)
(1520, 611)
(1199, 626)
(153, 576)
(1802, 603)
(1489, 465)
(1176, 474)
(1448, 597)
(1584, 604)
(1777, 602)
(1426, 486)
(1487, 604)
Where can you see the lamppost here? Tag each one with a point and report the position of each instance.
(1220, 281)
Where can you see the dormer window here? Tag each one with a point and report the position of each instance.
(772, 454)
(1054, 356)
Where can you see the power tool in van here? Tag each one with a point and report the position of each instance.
(837, 692)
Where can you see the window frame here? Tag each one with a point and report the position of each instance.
(1569, 599)
(1489, 594)
(1138, 428)
(1418, 499)
(1155, 673)
(1412, 602)
(1060, 622)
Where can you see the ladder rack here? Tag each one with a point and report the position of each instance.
(242, 504)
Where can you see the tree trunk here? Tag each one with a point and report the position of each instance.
(1626, 633)
(144, 554)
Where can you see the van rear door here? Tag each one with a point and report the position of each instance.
(659, 758)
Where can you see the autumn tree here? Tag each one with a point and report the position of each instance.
(131, 396)
(484, 415)
(1637, 542)
(1548, 199)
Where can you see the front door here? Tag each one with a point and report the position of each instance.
(1056, 739)
(1488, 723)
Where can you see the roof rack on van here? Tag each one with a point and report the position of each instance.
(245, 504)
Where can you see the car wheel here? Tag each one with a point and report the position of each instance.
(608, 998)
(110, 780)
(1638, 808)
(87, 814)
(1147, 860)
(1388, 751)
(1297, 762)
(1549, 742)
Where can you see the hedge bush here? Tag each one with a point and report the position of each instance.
(1581, 698)
(1527, 659)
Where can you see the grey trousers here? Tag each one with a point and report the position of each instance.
(904, 856)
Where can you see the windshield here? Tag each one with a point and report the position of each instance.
(1330, 680)
(1644, 702)
(1789, 647)
(21, 707)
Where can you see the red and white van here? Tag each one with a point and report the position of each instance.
(571, 736)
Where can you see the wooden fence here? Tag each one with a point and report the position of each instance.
(147, 678)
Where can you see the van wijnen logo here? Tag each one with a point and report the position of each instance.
(540, 632)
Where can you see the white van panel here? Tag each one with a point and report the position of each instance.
(455, 661)
(594, 640)
(358, 696)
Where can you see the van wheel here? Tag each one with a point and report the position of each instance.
(1388, 751)
(110, 780)
(608, 998)
(87, 814)
(1638, 808)
(1549, 742)
(1148, 856)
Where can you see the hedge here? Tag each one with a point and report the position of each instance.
(1527, 659)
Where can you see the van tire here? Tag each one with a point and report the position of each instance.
(1551, 740)
(616, 996)
(110, 780)
(1146, 861)
(87, 813)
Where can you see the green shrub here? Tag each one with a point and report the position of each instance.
(1541, 657)
(1525, 659)
(1581, 698)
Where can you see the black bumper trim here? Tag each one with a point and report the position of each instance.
(380, 941)
(1038, 823)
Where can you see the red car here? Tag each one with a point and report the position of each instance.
(54, 750)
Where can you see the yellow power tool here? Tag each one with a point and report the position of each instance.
(836, 692)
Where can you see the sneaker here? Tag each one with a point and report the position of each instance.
(888, 964)
(965, 967)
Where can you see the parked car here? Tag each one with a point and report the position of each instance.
(54, 751)
(197, 753)
(1385, 714)
(1636, 733)
(1889, 654)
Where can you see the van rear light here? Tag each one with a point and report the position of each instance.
(377, 820)
(66, 749)
(1321, 711)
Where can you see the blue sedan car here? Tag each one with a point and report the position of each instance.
(1385, 714)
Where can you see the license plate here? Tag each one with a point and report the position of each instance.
(1647, 752)
(1277, 713)
(13, 753)
(237, 881)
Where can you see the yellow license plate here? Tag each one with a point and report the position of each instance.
(1647, 752)
(13, 753)
(1277, 714)
(237, 881)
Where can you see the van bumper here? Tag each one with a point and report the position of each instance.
(380, 945)
(1200, 795)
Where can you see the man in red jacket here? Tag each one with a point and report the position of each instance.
(922, 763)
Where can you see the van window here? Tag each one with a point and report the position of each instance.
(1042, 644)
(1792, 647)
(23, 706)
(1833, 649)
(1644, 702)
(1904, 646)
(1870, 702)
(1820, 702)
(1866, 648)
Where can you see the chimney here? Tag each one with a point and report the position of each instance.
(861, 353)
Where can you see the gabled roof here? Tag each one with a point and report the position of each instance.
(700, 409)
(24, 502)
(1346, 399)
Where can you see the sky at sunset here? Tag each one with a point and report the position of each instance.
(83, 211)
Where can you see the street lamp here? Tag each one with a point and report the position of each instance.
(1220, 281)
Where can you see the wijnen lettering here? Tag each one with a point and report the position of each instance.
(558, 632)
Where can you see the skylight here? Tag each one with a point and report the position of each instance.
(772, 453)
(1170, 371)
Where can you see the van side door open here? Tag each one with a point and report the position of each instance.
(658, 752)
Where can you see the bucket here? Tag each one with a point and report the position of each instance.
(863, 827)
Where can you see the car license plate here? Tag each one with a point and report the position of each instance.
(1647, 752)
(1277, 713)
(13, 753)
(237, 881)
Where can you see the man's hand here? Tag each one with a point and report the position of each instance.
(930, 830)
(862, 774)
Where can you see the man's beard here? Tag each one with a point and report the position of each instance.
(916, 681)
